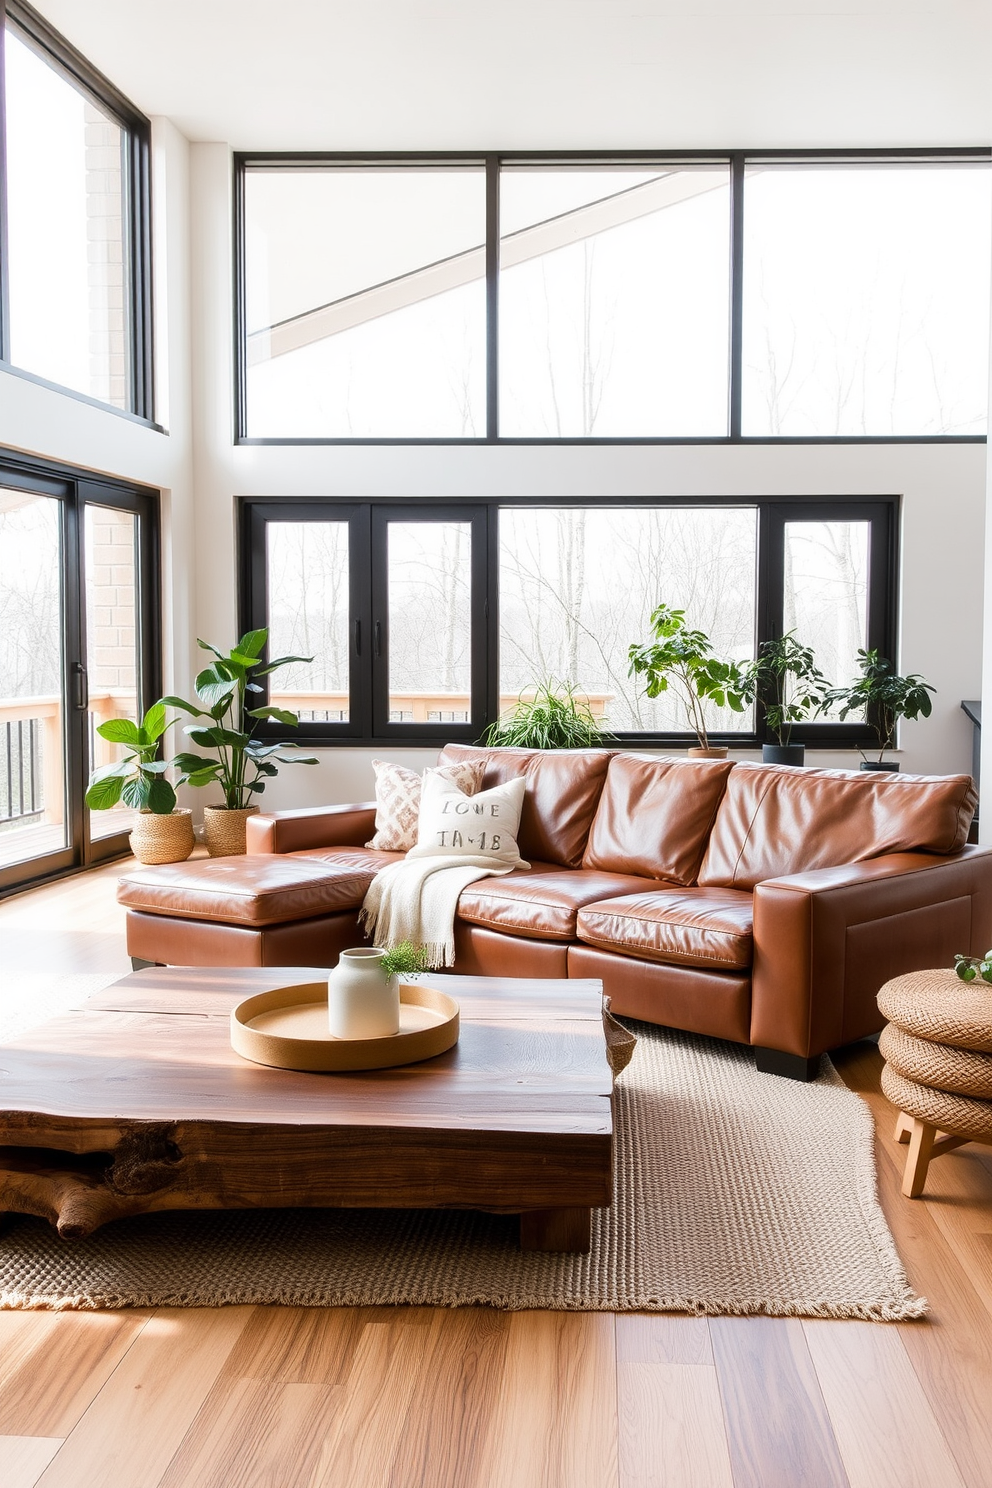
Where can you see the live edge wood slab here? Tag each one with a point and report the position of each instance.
(135, 1101)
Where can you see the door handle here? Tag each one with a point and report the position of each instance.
(82, 687)
(358, 637)
(377, 638)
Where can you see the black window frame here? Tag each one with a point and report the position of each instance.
(737, 162)
(65, 59)
(75, 489)
(367, 601)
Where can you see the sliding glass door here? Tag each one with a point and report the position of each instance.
(78, 645)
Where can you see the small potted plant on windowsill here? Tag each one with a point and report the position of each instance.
(786, 679)
(882, 697)
(241, 762)
(162, 831)
(683, 659)
(556, 717)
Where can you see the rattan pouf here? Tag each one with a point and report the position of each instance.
(938, 1065)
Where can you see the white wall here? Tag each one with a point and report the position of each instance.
(40, 421)
(942, 490)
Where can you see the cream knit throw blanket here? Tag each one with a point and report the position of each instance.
(416, 900)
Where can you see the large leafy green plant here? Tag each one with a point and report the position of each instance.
(138, 779)
(240, 761)
(882, 697)
(556, 717)
(684, 659)
(789, 683)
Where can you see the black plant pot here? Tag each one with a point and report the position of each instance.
(783, 754)
(883, 765)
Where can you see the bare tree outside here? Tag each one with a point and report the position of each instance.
(577, 587)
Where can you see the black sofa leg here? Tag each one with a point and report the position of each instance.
(791, 1066)
(138, 965)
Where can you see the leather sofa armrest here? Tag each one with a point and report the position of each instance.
(826, 941)
(311, 827)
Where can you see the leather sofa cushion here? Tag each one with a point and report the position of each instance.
(366, 860)
(543, 903)
(655, 815)
(774, 820)
(262, 889)
(563, 790)
(687, 927)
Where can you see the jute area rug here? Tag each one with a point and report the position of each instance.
(736, 1193)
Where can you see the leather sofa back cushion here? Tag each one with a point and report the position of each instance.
(774, 820)
(655, 816)
(563, 790)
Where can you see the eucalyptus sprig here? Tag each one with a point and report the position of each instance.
(970, 967)
(404, 959)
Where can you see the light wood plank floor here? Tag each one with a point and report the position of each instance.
(358, 1398)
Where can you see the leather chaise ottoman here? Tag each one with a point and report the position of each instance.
(246, 911)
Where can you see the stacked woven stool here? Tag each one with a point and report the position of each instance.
(938, 1065)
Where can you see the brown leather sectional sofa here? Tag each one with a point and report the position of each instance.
(751, 902)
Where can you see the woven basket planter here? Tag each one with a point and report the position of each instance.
(224, 829)
(162, 839)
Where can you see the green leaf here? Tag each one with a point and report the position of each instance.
(120, 731)
(161, 797)
(136, 792)
(252, 643)
(154, 767)
(103, 794)
(120, 768)
(966, 973)
(206, 646)
(203, 777)
(178, 702)
(186, 762)
(281, 715)
(282, 661)
(153, 724)
(216, 736)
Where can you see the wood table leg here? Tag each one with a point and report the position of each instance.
(556, 1229)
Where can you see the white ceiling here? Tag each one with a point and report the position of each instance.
(519, 74)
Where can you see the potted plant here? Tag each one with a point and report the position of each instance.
(240, 761)
(684, 659)
(556, 717)
(792, 688)
(882, 697)
(163, 832)
(363, 990)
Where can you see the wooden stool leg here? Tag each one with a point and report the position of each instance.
(918, 1158)
(904, 1127)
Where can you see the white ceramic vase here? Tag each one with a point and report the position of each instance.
(362, 1002)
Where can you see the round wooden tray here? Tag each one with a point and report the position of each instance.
(287, 1028)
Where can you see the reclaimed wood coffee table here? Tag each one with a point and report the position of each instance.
(135, 1101)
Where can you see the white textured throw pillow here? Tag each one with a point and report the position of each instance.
(482, 825)
(397, 799)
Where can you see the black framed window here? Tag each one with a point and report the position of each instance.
(427, 619)
(80, 640)
(75, 294)
(717, 297)
(389, 599)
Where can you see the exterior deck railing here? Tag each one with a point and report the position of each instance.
(31, 778)
(31, 746)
